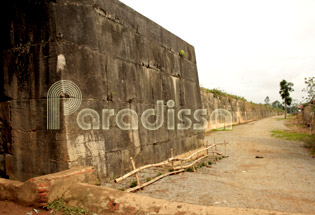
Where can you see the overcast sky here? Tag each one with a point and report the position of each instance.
(244, 47)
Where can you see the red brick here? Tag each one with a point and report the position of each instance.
(43, 199)
(44, 184)
(43, 194)
(42, 190)
(42, 204)
(112, 205)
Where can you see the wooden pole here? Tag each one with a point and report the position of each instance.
(214, 157)
(189, 165)
(134, 171)
(172, 156)
(207, 148)
(153, 180)
(224, 148)
(134, 167)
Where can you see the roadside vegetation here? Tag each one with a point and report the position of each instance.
(220, 93)
(298, 132)
(60, 207)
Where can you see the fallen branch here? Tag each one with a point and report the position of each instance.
(139, 169)
(154, 180)
(167, 162)
(188, 158)
(189, 165)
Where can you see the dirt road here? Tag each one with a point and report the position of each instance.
(283, 180)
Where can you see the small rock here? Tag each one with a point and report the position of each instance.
(259, 157)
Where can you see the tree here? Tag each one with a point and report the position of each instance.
(285, 89)
(310, 88)
(277, 104)
(267, 100)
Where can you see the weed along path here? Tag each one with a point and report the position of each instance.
(282, 178)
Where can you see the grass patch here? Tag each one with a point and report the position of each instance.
(221, 129)
(148, 179)
(190, 169)
(133, 184)
(292, 135)
(59, 205)
(310, 144)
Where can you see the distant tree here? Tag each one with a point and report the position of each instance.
(277, 104)
(267, 100)
(310, 88)
(285, 89)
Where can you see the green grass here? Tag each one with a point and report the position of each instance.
(292, 135)
(310, 144)
(220, 93)
(60, 205)
(189, 169)
(133, 184)
(221, 129)
(280, 119)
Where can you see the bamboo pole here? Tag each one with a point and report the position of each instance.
(188, 158)
(134, 167)
(139, 169)
(172, 156)
(166, 162)
(214, 157)
(154, 180)
(189, 165)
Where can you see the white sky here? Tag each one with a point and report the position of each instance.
(244, 47)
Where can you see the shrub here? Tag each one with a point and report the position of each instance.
(182, 53)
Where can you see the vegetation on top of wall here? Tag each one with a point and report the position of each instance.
(182, 53)
(220, 93)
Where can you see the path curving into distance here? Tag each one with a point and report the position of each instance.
(283, 180)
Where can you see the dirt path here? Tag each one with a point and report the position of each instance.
(284, 180)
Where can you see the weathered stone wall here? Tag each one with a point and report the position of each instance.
(309, 115)
(118, 58)
(241, 111)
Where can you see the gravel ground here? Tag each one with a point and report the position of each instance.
(283, 180)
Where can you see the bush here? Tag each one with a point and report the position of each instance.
(60, 205)
(182, 53)
(133, 184)
(189, 169)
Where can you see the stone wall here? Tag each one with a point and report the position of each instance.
(241, 111)
(117, 58)
(308, 115)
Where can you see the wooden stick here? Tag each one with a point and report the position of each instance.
(224, 148)
(188, 158)
(214, 157)
(172, 156)
(139, 169)
(153, 180)
(189, 165)
(163, 163)
(134, 167)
